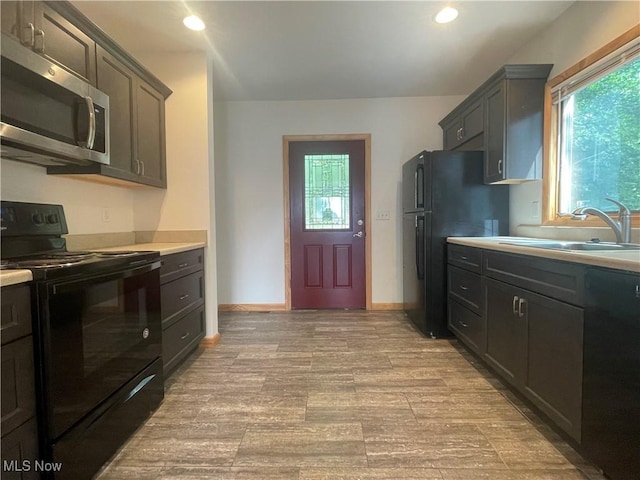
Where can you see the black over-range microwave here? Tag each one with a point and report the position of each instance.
(49, 116)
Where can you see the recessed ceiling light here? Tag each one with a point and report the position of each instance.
(446, 15)
(193, 22)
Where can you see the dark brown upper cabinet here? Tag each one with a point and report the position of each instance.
(463, 126)
(136, 97)
(137, 129)
(40, 28)
(503, 117)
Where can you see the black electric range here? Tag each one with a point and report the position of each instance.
(97, 338)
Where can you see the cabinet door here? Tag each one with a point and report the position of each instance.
(451, 134)
(60, 41)
(118, 82)
(150, 135)
(21, 445)
(506, 331)
(494, 161)
(472, 121)
(17, 21)
(554, 359)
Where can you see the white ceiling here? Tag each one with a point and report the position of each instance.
(308, 50)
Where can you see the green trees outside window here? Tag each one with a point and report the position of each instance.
(600, 142)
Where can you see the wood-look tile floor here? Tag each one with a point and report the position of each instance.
(340, 395)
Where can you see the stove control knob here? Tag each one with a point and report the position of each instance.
(52, 218)
(38, 218)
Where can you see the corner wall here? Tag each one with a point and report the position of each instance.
(188, 201)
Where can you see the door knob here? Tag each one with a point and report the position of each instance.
(359, 234)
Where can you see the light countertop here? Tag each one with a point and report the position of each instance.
(621, 260)
(162, 248)
(13, 277)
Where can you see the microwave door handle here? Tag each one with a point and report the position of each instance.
(91, 135)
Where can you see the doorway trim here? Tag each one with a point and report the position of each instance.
(286, 139)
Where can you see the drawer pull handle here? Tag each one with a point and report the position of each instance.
(184, 337)
(513, 307)
(465, 325)
(462, 287)
(185, 296)
(182, 265)
(464, 257)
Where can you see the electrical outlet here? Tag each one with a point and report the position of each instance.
(106, 216)
(383, 215)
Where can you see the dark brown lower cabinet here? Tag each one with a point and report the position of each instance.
(183, 313)
(536, 343)
(19, 427)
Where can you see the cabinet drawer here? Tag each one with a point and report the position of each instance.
(18, 383)
(181, 295)
(468, 327)
(560, 280)
(16, 313)
(182, 337)
(466, 288)
(468, 258)
(180, 264)
(21, 445)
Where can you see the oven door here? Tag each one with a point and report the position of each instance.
(98, 333)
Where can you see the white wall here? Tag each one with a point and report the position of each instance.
(249, 185)
(188, 201)
(83, 201)
(582, 29)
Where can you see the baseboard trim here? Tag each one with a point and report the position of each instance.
(208, 342)
(251, 307)
(386, 306)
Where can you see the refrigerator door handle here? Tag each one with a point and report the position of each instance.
(419, 249)
(419, 186)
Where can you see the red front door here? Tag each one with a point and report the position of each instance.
(327, 202)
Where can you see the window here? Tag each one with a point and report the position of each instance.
(594, 135)
(326, 192)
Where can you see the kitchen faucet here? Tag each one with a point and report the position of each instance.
(622, 228)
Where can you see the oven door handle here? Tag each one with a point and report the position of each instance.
(127, 272)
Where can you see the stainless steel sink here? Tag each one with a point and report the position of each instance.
(582, 246)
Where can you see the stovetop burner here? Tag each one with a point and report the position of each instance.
(33, 238)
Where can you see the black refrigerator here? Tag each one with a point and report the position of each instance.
(443, 195)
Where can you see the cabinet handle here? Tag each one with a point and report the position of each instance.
(182, 265)
(521, 303)
(39, 33)
(463, 324)
(513, 307)
(137, 167)
(500, 166)
(462, 287)
(461, 133)
(142, 162)
(184, 297)
(32, 35)
(464, 257)
(184, 337)
(637, 291)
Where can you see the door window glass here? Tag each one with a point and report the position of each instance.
(326, 192)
